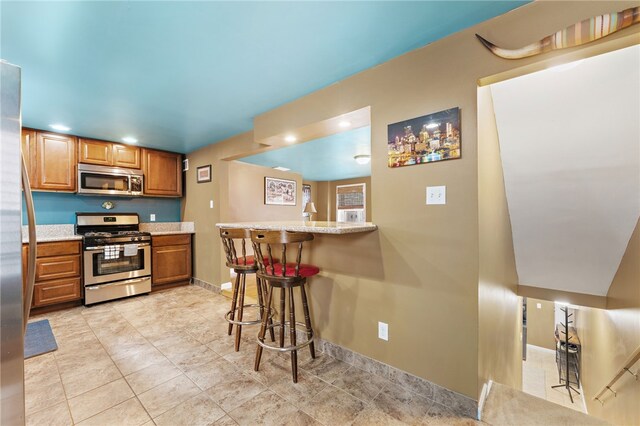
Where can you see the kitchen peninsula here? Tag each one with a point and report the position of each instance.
(315, 227)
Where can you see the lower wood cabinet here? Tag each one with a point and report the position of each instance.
(170, 260)
(58, 273)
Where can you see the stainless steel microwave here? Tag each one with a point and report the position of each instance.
(109, 180)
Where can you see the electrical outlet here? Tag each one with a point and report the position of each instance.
(539, 305)
(383, 331)
(152, 217)
(210, 204)
(436, 195)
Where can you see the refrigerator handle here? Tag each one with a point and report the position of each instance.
(31, 266)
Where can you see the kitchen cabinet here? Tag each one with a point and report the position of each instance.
(103, 153)
(29, 153)
(170, 260)
(58, 275)
(53, 165)
(162, 173)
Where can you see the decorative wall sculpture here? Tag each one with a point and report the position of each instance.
(583, 32)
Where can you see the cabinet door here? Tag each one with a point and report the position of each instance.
(57, 291)
(56, 162)
(29, 153)
(171, 264)
(95, 152)
(162, 173)
(126, 156)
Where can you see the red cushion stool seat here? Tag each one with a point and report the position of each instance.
(290, 270)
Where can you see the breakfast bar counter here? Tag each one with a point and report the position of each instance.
(315, 227)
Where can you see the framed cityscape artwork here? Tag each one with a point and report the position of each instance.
(433, 137)
(280, 192)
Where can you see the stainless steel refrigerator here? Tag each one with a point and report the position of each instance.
(13, 311)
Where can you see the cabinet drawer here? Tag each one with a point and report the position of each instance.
(170, 240)
(55, 267)
(58, 248)
(57, 291)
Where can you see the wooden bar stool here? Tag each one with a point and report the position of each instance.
(242, 265)
(286, 277)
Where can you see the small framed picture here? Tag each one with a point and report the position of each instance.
(204, 174)
(279, 192)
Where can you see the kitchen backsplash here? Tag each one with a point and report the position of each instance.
(60, 208)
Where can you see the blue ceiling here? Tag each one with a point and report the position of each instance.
(182, 75)
(329, 158)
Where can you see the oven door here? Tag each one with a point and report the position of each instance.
(98, 269)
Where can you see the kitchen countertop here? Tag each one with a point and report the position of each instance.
(316, 227)
(48, 233)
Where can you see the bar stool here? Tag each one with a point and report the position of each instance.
(286, 277)
(242, 266)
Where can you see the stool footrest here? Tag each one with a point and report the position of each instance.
(290, 347)
(254, 322)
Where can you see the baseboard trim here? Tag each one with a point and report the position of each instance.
(486, 389)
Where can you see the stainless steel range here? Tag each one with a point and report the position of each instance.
(116, 256)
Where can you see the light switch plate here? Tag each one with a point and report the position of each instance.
(210, 204)
(383, 331)
(539, 305)
(436, 195)
(152, 217)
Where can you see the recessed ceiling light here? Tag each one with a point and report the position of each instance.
(129, 139)
(60, 127)
(290, 138)
(433, 125)
(344, 123)
(362, 159)
(282, 169)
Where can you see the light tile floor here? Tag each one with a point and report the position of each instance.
(539, 373)
(166, 359)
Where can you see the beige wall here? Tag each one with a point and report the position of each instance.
(608, 338)
(499, 307)
(540, 323)
(419, 271)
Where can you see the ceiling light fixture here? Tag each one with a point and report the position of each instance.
(290, 138)
(362, 159)
(282, 169)
(433, 125)
(60, 127)
(344, 124)
(129, 139)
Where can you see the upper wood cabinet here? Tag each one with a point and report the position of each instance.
(55, 162)
(126, 156)
(95, 152)
(162, 173)
(29, 153)
(108, 154)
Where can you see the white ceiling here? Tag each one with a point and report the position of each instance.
(570, 147)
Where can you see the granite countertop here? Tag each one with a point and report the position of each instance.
(47, 233)
(316, 227)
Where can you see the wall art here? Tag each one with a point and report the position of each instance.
(433, 137)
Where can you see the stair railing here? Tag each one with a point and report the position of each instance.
(626, 368)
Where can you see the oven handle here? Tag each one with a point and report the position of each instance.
(92, 249)
(127, 282)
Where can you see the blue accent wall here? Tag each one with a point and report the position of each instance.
(60, 208)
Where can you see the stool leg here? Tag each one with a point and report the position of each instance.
(243, 283)
(262, 289)
(292, 336)
(234, 299)
(282, 316)
(263, 329)
(307, 319)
